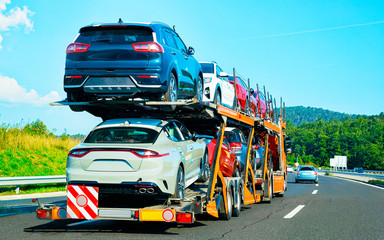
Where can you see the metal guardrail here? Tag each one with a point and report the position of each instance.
(366, 174)
(351, 171)
(18, 181)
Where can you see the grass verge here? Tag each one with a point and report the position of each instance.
(377, 182)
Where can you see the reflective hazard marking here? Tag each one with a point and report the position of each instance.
(168, 215)
(82, 202)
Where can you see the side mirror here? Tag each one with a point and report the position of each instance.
(223, 74)
(194, 137)
(191, 51)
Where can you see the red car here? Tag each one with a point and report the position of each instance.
(261, 106)
(228, 163)
(243, 96)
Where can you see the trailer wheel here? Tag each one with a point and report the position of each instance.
(180, 184)
(171, 94)
(205, 166)
(237, 207)
(268, 189)
(227, 216)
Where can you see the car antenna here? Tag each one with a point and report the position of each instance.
(174, 28)
(120, 21)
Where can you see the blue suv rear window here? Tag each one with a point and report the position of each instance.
(116, 35)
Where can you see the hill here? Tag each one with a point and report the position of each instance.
(299, 115)
(360, 139)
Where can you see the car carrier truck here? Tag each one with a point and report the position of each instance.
(220, 197)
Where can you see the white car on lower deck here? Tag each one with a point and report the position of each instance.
(137, 156)
(217, 88)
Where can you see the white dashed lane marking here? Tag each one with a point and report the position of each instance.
(317, 184)
(294, 211)
(314, 191)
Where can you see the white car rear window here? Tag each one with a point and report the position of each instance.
(122, 135)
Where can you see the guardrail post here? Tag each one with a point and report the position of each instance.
(17, 189)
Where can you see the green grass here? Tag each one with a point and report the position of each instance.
(376, 182)
(33, 151)
(328, 174)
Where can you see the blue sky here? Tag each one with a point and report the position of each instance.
(327, 54)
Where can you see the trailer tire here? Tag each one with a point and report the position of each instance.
(171, 94)
(237, 208)
(206, 170)
(227, 216)
(268, 188)
(180, 184)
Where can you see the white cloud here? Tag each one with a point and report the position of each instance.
(12, 92)
(15, 17)
(2, 4)
(1, 39)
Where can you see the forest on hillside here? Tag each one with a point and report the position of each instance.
(361, 139)
(299, 115)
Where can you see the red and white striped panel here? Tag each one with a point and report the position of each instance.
(82, 202)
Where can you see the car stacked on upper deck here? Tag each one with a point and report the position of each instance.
(130, 60)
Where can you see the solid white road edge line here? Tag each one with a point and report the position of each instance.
(294, 211)
(314, 191)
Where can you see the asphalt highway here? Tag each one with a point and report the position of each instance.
(333, 209)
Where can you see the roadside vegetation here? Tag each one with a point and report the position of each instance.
(33, 150)
(377, 182)
(360, 138)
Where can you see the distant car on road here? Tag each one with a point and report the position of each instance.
(306, 173)
(290, 168)
(358, 170)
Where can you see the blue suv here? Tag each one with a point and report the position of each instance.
(131, 60)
